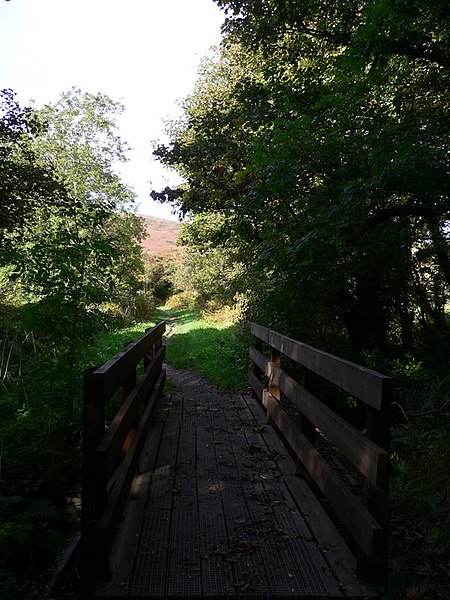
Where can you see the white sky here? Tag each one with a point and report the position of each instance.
(144, 53)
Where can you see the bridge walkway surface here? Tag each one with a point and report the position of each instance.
(216, 510)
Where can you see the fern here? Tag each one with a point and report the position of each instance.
(11, 507)
(38, 511)
(7, 504)
(21, 528)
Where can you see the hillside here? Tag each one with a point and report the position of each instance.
(161, 234)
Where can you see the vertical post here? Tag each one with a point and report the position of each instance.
(376, 498)
(274, 390)
(127, 388)
(258, 345)
(275, 359)
(307, 427)
(378, 422)
(155, 347)
(93, 495)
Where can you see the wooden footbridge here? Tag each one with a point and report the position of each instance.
(195, 495)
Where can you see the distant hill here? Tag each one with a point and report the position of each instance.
(161, 234)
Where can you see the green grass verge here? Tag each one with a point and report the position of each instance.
(209, 347)
(109, 343)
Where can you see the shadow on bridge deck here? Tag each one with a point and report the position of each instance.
(217, 511)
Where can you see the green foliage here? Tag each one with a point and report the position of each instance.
(28, 537)
(328, 170)
(72, 268)
(41, 443)
(158, 274)
(210, 267)
(76, 252)
(24, 182)
(108, 343)
(80, 257)
(420, 496)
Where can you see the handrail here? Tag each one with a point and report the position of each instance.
(366, 521)
(110, 455)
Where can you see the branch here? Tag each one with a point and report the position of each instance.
(433, 411)
(404, 210)
(434, 52)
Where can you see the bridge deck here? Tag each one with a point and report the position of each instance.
(217, 511)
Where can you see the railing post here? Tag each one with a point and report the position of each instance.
(258, 345)
(307, 428)
(376, 498)
(156, 346)
(127, 387)
(93, 484)
(275, 359)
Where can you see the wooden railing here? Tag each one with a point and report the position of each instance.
(366, 519)
(110, 456)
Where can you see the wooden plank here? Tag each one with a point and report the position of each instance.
(371, 460)
(184, 577)
(361, 525)
(338, 555)
(287, 549)
(114, 373)
(110, 447)
(367, 385)
(109, 520)
(148, 576)
(274, 388)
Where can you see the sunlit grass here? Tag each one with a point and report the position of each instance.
(207, 346)
(204, 345)
(109, 343)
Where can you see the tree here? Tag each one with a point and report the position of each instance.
(23, 182)
(71, 250)
(211, 266)
(329, 161)
(73, 256)
(82, 252)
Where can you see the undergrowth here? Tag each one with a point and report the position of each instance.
(41, 388)
(420, 491)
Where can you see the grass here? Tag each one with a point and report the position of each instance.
(207, 346)
(109, 343)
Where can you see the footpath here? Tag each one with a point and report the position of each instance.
(216, 510)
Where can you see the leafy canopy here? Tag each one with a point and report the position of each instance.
(318, 133)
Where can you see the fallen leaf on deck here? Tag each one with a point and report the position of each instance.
(245, 545)
(241, 585)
